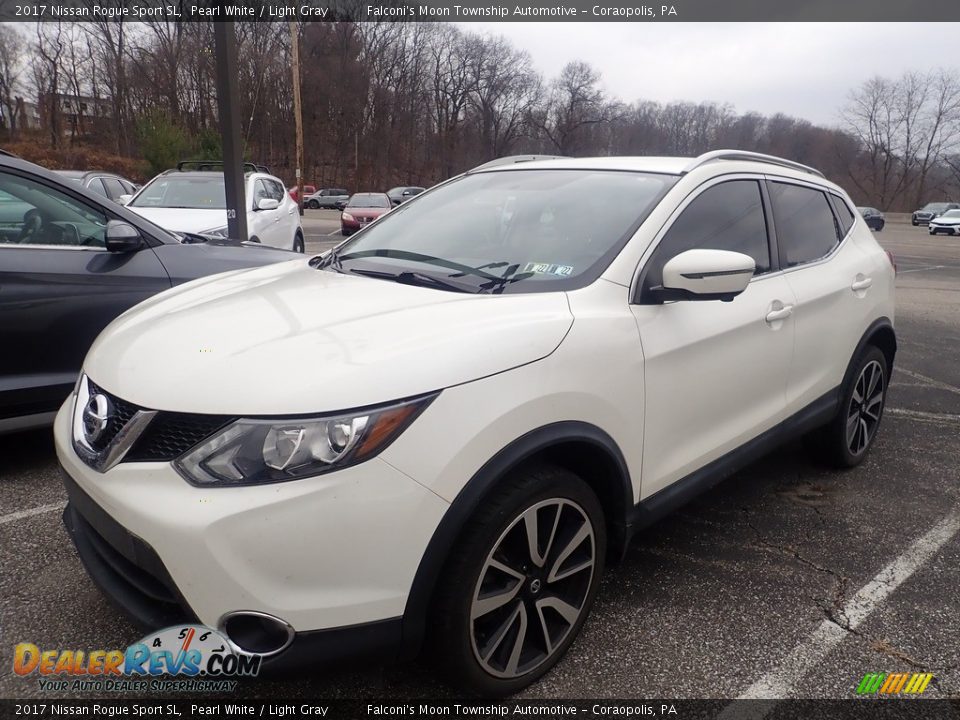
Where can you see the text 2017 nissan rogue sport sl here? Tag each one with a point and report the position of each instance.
(434, 435)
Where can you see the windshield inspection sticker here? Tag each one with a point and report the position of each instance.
(548, 269)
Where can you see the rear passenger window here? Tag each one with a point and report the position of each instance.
(844, 214)
(806, 226)
(728, 216)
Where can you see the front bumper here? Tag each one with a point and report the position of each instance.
(334, 556)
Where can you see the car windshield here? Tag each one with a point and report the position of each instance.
(173, 191)
(508, 231)
(951, 214)
(368, 201)
(935, 207)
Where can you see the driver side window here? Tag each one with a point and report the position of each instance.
(35, 214)
(728, 216)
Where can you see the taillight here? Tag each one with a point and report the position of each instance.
(893, 261)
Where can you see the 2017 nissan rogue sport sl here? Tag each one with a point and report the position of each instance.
(435, 435)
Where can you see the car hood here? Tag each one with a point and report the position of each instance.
(946, 221)
(183, 219)
(290, 339)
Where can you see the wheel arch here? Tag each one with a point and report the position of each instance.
(881, 335)
(579, 447)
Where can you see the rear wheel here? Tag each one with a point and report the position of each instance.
(520, 582)
(313, 204)
(845, 440)
(298, 243)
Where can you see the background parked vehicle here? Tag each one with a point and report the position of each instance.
(103, 183)
(401, 194)
(294, 192)
(362, 209)
(932, 210)
(948, 223)
(70, 262)
(194, 201)
(328, 198)
(874, 219)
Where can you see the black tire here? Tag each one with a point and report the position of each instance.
(880, 226)
(914, 223)
(860, 407)
(255, 239)
(298, 243)
(313, 204)
(465, 628)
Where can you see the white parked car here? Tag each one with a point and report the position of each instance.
(948, 223)
(194, 201)
(490, 390)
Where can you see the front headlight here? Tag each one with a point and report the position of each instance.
(254, 451)
(218, 232)
(347, 216)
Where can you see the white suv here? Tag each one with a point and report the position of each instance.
(488, 392)
(194, 201)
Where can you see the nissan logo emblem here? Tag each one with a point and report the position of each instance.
(96, 417)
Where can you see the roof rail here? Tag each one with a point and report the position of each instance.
(514, 159)
(750, 157)
(7, 153)
(203, 165)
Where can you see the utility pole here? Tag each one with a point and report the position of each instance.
(228, 106)
(297, 108)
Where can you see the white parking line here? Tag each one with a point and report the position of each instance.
(921, 269)
(4, 519)
(778, 682)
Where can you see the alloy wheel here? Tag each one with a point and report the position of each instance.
(533, 587)
(866, 406)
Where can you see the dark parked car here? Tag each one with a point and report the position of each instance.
(103, 183)
(874, 219)
(362, 209)
(328, 198)
(401, 194)
(932, 210)
(70, 262)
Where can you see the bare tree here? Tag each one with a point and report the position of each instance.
(12, 56)
(575, 103)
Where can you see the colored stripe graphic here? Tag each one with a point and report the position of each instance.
(871, 683)
(894, 683)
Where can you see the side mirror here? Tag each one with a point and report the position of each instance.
(124, 199)
(268, 204)
(706, 275)
(122, 237)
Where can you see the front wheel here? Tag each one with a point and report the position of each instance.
(520, 582)
(298, 243)
(313, 204)
(845, 440)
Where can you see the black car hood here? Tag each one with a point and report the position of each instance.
(191, 260)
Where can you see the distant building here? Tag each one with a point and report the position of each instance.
(78, 114)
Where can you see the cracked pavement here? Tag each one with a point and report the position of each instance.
(707, 601)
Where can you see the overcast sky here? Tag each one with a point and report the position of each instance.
(801, 69)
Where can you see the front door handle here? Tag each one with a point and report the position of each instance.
(862, 283)
(779, 314)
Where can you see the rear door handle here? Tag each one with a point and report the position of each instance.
(861, 284)
(781, 314)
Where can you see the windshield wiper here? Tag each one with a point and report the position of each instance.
(409, 277)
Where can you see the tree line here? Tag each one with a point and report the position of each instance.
(413, 103)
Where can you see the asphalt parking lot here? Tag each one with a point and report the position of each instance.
(786, 580)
